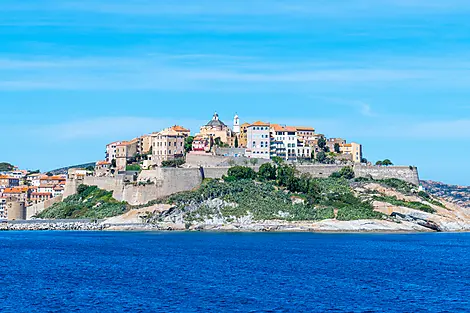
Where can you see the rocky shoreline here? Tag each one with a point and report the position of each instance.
(327, 226)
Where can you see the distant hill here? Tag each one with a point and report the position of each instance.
(5, 167)
(453, 193)
(64, 170)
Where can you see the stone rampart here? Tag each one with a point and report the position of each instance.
(406, 173)
(38, 208)
(161, 182)
(209, 160)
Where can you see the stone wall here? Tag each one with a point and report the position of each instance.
(406, 173)
(162, 182)
(150, 185)
(38, 208)
(209, 160)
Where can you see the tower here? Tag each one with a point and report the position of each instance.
(236, 124)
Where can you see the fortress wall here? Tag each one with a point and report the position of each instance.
(38, 208)
(167, 181)
(406, 173)
(209, 160)
(319, 171)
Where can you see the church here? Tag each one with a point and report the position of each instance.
(216, 132)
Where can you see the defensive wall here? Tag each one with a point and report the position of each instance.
(161, 182)
(38, 208)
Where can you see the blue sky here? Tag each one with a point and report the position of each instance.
(393, 75)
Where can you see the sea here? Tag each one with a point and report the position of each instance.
(233, 272)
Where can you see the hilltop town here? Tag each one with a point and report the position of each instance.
(257, 140)
(269, 158)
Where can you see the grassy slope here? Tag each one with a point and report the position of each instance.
(90, 203)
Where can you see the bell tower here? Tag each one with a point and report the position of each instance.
(236, 124)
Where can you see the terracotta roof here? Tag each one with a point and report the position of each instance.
(305, 128)
(16, 190)
(259, 123)
(53, 178)
(290, 129)
(179, 128)
(277, 127)
(346, 145)
(7, 177)
(41, 194)
(102, 163)
(58, 187)
(46, 186)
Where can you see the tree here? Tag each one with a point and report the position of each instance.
(387, 162)
(285, 174)
(188, 144)
(90, 168)
(211, 143)
(347, 172)
(236, 142)
(267, 172)
(277, 160)
(241, 172)
(364, 160)
(379, 163)
(337, 148)
(322, 143)
(321, 157)
(49, 174)
(253, 161)
(173, 163)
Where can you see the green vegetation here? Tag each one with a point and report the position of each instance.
(89, 202)
(275, 192)
(6, 167)
(385, 162)
(173, 163)
(425, 196)
(188, 144)
(412, 205)
(346, 172)
(133, 167)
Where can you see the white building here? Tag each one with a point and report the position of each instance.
(258, 141)
(285, 142)
(111, 151)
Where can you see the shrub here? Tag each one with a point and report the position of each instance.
(173, 163)
(133, 167)
(267, 172)
(242, 172)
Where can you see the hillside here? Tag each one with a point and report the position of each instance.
(277, 199)
(459, 195)
(64, 170)
(89, 202)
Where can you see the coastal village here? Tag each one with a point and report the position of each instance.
(254, 141)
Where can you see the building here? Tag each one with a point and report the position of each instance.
(102, 168)
(3, 208)
(332, 142)
(111, 150)
(39, 197)
(181, 130)
(242, 136)
(215, 128)
(34, 179)
(52, 180)
(201, 144)
(354, 150)
(58, 191)
(20, 194)
(284, 142)
(145, 144)
(259, 140)
(9, 181)
(306, 135)
(125, 151)
(167, 145)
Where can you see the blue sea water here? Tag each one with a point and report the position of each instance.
(233, 272)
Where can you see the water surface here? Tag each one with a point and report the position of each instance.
(233, 272)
